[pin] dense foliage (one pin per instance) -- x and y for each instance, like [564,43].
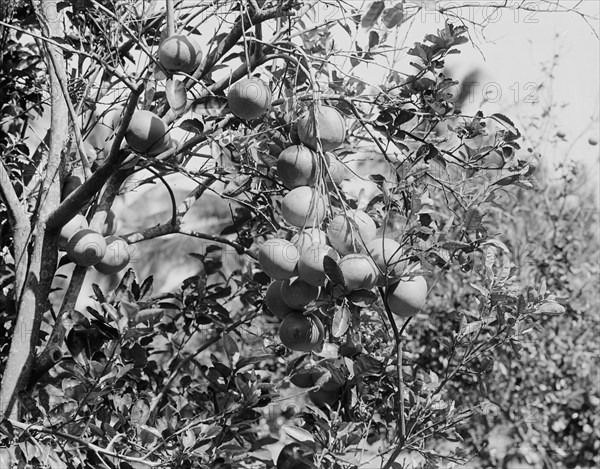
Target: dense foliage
[497,367]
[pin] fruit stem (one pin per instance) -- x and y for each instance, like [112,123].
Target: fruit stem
[170,18]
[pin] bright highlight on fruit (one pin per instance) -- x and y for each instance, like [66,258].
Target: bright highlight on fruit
[303,206]
[407,297]
[116,257]
[310,265]
[86,247]
[77,223]
[332,129]
[278,258]
[346,238]
[147,133]
[359,272]
[249,98]
[180,53]
[306,238]
[298,166]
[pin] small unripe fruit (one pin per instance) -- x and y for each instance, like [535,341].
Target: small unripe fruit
[407,297]
[303,206]
[386,253]
[116,257]
[180,53]
[345,238]
[147,133]
[310,264]
[77,223]
[301,333]
[298,166]
[298,294]
[274,302]
[306,238]
[359,272]
[86,247]
[249,98]
[278,258]
[332,129]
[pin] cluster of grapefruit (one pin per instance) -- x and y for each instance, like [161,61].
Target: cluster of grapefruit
[108,254]
[321,239]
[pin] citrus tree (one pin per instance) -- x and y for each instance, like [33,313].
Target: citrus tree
[357,191]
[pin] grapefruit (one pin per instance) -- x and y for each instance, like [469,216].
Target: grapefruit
[303,206]
[147,133]
[116,257]
[386,253]
[86,247]
[180,53]
[310,264]
[332,129]
[298,166]
[359,272]
[348,234]
[278,258]
[77,223]
[297,293]
[274,301]
[407,297]
[301,333]
[249,98]
[305,238]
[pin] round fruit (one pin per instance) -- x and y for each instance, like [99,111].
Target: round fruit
[278,258]
[492,161]
[109,227]
[297,293]
[407,297]
[303,206]
[386,253]
[332,129]
[249,98]
[306,238]
[310,264]
[116,257]
[86,247]
[77,223]
[298,166]
[293,456]
[274,301]
[71,183]
[359,272]
[322,397]
[345,238]
[301,333]
[180,53]
[593,141]
[147,133]
[338,171]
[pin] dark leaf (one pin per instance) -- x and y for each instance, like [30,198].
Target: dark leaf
[192,125]
[333,271]
[372,14]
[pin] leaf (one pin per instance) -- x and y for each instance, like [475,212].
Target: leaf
[139,413]
[393,17]
[505,181]
[362,297]
[372,14]
[99,295]
[373,39]
[366,364]
[333,271]
[297,433]
[341,321]
[550,307]
[192,125]
[239,188]
[209,106]
[473,219]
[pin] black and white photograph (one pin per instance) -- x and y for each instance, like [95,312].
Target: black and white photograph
[297,234]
